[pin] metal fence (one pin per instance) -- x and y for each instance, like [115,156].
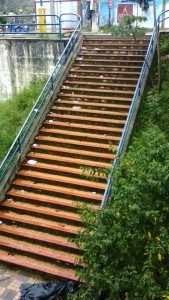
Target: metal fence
[35,24]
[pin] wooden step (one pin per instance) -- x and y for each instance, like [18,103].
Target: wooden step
[114,73]
[57,190]
[105,56]
[102,79]
[37,237]
[60,179]
[59,169]
[39,224]
[79,134]
[33,250]
[106,67]
[67,160]
[42,198]
[35,266]
[85,127]
[98,84]
[77,143]
[95,91]
[89,105]
[106,62]
[101,98]
[113,51]
[68,118]
[81,153]
[43,211]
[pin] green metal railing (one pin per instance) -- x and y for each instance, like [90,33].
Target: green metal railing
[31,24]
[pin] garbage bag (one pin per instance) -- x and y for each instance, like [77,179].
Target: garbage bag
[46,291]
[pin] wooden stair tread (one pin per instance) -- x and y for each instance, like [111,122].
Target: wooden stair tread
[73,151]
[96,90]
[62,202]
[40,251]
[107,72]
[39,223]
[82,126]
[71,76]
[72,142]
[107,61]
[61,179]
[65,159]
[92,196]
[90,111]
[42,210]
[34,265]
[58,168]
[85,118]
[72,82]
[123,50]
[91,104]
[101,136]
[86,96]
[105,55]
[30,234]
[81,65]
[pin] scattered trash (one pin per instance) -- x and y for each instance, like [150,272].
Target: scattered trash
[76,107]
[10,200]
[47,291]
[32,162]
[50,121]
[1,222]
[93,192]
[35,145]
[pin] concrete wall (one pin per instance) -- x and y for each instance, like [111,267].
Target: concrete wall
[22,59]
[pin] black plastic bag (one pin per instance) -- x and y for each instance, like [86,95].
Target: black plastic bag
[46,291]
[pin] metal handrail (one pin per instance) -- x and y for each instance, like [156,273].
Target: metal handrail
[162,17]
[26,21]
[136,98]
[45,95]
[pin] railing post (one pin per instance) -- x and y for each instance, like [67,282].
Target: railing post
[52,86]
[19,144]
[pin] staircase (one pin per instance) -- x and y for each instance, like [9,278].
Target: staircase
[40,212]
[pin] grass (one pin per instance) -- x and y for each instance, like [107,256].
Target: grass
[14,111]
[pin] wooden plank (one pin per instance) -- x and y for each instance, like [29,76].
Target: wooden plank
[69,151]
[42,198]
[33,265]
[61,179]
[32,235]
[96,91]
[69,124]
[79,134]
[78,143]
[64,159]
[27,208]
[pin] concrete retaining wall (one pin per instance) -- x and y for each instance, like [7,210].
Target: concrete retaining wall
[22,59]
